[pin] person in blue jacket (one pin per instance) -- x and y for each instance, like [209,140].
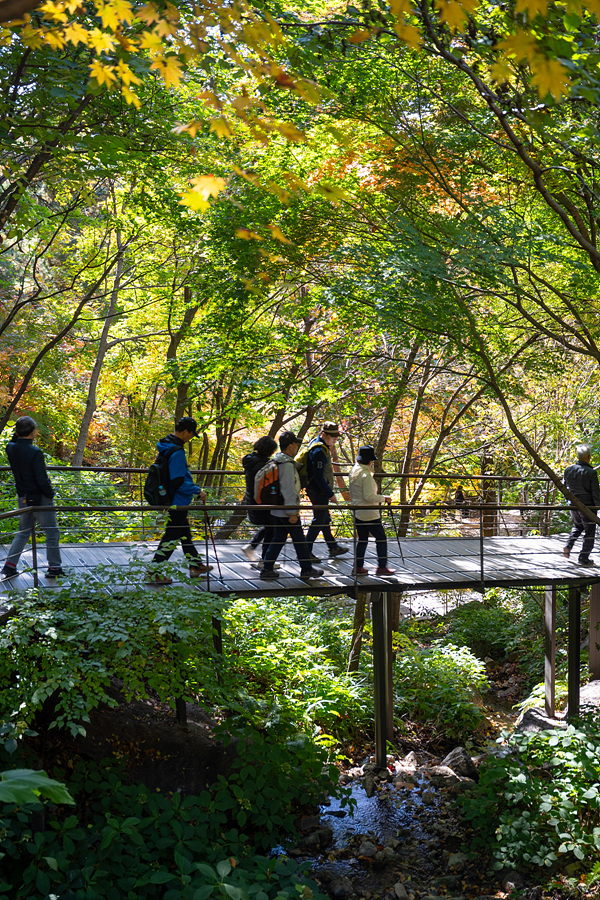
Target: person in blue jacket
[182,490]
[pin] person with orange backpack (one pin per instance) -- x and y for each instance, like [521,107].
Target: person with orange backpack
[287,521]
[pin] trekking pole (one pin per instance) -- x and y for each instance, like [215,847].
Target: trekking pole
[396,533]
[212,537]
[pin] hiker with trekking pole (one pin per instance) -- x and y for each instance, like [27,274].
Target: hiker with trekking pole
[363,493]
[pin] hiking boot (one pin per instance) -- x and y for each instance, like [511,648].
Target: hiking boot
[566,552]
[384,570]
[9,571]
[156,578]
[250,552]
[338,550]
[267,574]
[54,572]
[313,572]
[200,569]
[586,562]
[360,570]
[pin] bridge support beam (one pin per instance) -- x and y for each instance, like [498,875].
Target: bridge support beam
[574,651]
[595,630]
[550,650]
[382,674]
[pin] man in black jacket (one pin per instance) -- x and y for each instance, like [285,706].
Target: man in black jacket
[582,480]
[33,489]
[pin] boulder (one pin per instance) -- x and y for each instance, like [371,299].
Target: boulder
[461,762]
[535,719]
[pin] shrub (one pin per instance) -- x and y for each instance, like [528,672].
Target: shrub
[438,685]
[540,804]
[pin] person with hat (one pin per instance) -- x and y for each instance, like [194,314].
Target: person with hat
[320,489]
[33,489]
[183,490]
[363,493]
[287,521]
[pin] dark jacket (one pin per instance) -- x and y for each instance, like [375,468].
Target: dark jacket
[582,480]
[320,470]
[181,483]
[29,469]
[252,463]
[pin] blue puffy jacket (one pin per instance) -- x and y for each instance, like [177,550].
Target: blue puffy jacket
[181,481]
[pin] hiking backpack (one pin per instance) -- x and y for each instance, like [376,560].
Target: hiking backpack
[302,467]
[157,487]
[266,485]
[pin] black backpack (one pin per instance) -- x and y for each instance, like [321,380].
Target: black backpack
[157,487]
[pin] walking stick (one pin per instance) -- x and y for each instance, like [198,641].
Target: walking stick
[396,533]
[212,537]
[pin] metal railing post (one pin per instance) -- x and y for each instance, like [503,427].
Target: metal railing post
[481,563]
[34,559]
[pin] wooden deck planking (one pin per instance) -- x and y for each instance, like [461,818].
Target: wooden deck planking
[425,564]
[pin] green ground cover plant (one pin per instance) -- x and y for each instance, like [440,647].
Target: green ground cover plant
[538,806]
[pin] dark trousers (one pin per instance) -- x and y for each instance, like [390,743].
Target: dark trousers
[321,521]
[264,534]
[281,529]
[177,531]
[363,530]
[581,523]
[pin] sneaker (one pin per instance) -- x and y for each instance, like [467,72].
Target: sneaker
[566,552]
[267,574]
[338,550]
[10,571]
[384,570]
[155,578]
[200,569]
[586,562]
[250,552]
[260,564]
[360,570]
[313,572]
[54,573]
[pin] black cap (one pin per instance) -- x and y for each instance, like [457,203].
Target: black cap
[365,455]
[288,437]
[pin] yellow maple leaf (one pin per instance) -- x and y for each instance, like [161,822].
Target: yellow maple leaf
[194,200]
[357,37]
[290,132]
[124,10]
[107,14]
[408,33]
[221,127]
[76,33]
[164,28]
[247,235]
[130,97]
[519,45]
[501,71]
[533,7]
[550,77]
[54,11]
[331,192]
[100,40]
[169,67]
[31,37]
[452,12]
[102,73]
[148,13]
[55,39]
[125,73]
[278,234]
[150,41]
[208,185]
[400,7]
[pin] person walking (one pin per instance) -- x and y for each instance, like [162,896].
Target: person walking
[182,491]
[320,489]
[363,492]
[252,463]
[582,480]
[33,489]
[287,521]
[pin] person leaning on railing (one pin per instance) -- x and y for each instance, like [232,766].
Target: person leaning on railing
[33,489]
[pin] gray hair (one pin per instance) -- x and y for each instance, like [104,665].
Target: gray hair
[24,426]
[584,451]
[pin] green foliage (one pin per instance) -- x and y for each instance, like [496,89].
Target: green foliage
[438,685]
[487,628]
[539,806]
[63,648]
[23,786]
[125,841]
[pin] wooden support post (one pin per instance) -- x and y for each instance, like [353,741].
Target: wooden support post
[573,651]
[218,644]
[550,650]
[595,630]
[390,666]
[381,669]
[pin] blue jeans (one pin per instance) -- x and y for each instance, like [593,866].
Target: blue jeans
[582,523]
[46,520]
[363,530]
[281,529]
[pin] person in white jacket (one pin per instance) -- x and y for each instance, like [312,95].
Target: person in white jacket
[363,492]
